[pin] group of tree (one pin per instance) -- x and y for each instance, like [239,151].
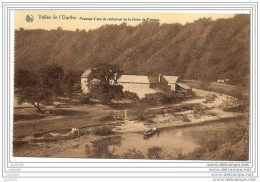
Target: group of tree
[101,83]
[205,49]
[51,81]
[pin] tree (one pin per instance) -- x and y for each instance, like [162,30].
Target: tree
[36,96]
[52,77]
[101,83]
[68,83]
[24,78]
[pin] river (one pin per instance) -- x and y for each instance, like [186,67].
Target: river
[171,143]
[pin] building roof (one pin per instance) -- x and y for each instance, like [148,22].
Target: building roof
[153,79]
[86,73]
[182,85]
[170,79]
[133,79]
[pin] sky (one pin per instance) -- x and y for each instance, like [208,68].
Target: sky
[91,19]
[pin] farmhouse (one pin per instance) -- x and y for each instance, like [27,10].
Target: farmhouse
[142,85]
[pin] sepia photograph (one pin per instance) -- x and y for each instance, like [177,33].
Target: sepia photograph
[131,85]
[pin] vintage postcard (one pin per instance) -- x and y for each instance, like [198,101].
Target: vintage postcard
[131,85]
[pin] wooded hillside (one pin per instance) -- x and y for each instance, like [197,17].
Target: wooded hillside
[205,49]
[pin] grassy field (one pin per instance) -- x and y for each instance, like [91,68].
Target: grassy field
[235,91]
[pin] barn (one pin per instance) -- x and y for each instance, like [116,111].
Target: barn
[141,84]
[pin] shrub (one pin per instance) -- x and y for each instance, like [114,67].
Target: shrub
[235,134]
[150,121]
[179,153]
[227,155]
[238,93]
[171,95]
[85,99]
[179,96]
[156,98]
[210,99]
[103,131]
[184,117]
[212,145]
[110,117]
[133,154]
[141,117]
[154,152]
[130,96]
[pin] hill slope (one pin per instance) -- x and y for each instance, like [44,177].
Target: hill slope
[206,49]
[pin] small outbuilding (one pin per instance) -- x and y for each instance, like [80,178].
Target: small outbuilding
[183,88]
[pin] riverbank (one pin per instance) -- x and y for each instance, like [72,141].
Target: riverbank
[32,137]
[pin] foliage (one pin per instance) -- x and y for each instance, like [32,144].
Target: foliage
[84,99]
[36,96]
[133,154]
[24,78]
[103,131]
[154,152]
[104,73]
[210,99]
[68,83]
[100,85]
[52,77]
[156,98]
[205,49]
[130,96]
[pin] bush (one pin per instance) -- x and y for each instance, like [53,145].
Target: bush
[110,117]
[156,98]
[133,154]
[103,131]
[210,99]
[180,96]
[130,96]
[85,99]
[227,155]
[141,117]
[154,152]
[185,118]
[238,93]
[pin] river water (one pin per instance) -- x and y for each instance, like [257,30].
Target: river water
[172,143]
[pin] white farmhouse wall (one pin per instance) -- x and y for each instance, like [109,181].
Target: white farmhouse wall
[84,85]
[173,86]
[139,88]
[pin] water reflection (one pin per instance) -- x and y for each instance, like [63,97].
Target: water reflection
[168,142]
[100,148]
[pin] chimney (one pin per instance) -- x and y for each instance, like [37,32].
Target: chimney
[160,76]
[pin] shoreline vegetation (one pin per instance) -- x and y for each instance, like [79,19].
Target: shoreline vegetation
[95,121]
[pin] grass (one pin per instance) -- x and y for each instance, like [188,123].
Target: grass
[231,144]
[20,117]
[235,91]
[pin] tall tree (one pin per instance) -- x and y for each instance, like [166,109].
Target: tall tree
[102,82]
[52,77]
[37,96]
